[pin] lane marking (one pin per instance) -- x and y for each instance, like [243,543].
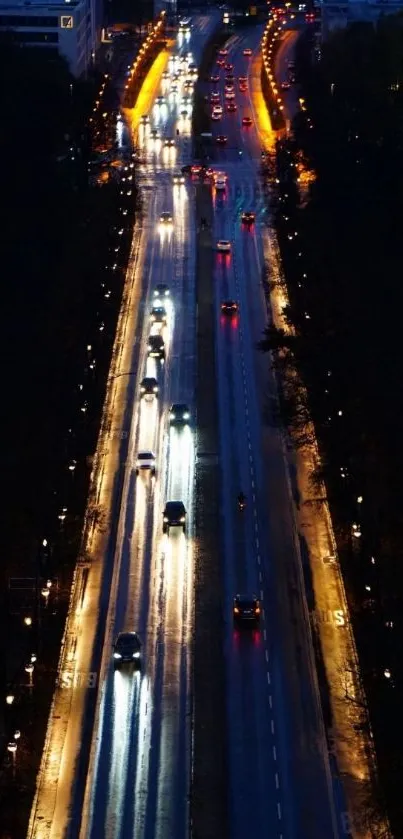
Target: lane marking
[274,753]
[265,635]
[268,678]
[277,780]
[272,726]
[270,701]
[266,652]
[279,810]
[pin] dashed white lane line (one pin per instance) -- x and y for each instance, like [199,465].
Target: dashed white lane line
[276,780]
[260,577]
[265,635]
[266,652]
[272,726]
[268,679]
[279,810]
[261,594]
[274,753]
[270,701]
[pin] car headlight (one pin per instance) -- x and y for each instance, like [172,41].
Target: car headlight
[182,519]
[136,655]
[165,518]
[155,389]
[186,416]
[149,347]
[143,390]
[172,416]
[117,655]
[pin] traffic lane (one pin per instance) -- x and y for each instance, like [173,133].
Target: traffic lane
[134,553]
[295,686]
[286,53]
[253,790]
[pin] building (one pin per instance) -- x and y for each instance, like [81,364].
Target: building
[71,28]
[336,14]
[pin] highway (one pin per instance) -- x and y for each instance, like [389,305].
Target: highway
[280,780]
[136,781]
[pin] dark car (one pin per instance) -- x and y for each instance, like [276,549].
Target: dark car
[248,218]
[127,649]
[221,140]
[229,307]
[231,107]
[149,386]
[186,169]
[246,609]
[174,516]
[247,121]
[179,414]
[158,315]
[156,346]
[161,290]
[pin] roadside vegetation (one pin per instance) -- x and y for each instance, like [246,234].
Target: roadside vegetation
[338,215]
[66,228]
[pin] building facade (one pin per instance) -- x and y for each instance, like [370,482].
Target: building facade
[71,28]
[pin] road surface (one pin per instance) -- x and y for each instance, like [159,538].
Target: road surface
[280,782]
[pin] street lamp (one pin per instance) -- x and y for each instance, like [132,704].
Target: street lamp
[10,698]
[28,620]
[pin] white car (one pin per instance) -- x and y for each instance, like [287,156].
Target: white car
[146,461]
[178,178]
[224,246]
[220,183]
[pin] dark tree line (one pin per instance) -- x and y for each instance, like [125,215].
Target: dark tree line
[344,275]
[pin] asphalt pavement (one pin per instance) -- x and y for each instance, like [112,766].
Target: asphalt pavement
[280,783]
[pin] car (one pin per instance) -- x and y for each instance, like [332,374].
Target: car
[158,315]
[229,88]
[243,88]
[248,217]
[246,609]
[161,291]
[230,78]
[160,100]
[154,134]
[208,173]
[156,347]
[179,414]
[215,97]
[169,142]
[174,516]
[243,79]
[186,170]
[166,218]
[216,115]
[214,79]
[220,62]
[229,95]
[178,178]
[229,307]
[291,64]
[247,121]
[291,78]
[145,119]
[229,67]
[223,246]
[231,107]
[196,169]
[285,85]
[145,462]
[223,52]
[220,184]
[149,387]
[127,649]
[217,109]
[247,51]
[221,140]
